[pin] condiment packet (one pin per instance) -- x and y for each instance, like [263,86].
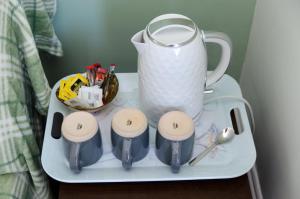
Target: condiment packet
[100,76]
[90,73]
[92,96]
[76,102]
[69,87]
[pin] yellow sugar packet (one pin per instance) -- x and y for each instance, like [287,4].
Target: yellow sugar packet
[73,84]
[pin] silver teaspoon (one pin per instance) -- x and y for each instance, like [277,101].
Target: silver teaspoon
[225,136]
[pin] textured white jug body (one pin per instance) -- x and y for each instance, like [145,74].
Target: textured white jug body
[172,78]
[172,65]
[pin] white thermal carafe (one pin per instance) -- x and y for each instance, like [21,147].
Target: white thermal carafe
[172,65]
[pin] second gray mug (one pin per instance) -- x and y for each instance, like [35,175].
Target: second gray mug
[129,136]
[175,139]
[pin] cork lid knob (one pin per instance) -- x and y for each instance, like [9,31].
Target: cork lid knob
[79,126]
[176,126]
[129,122]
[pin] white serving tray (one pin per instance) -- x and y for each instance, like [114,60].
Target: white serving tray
[227,161]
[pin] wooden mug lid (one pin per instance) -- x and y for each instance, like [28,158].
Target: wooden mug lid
[79,126]
[129,122]
[176,126]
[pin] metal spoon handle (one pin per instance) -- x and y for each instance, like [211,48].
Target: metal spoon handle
[208,91]
[202,154]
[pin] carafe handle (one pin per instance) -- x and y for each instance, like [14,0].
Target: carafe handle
[224,41]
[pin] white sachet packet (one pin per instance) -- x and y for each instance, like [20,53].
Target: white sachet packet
[90,96]
[76,102]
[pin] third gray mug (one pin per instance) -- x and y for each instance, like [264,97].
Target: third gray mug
[175,139]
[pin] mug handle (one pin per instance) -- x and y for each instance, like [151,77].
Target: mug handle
[126,154]
[74,157]
[224,41]
[176,156]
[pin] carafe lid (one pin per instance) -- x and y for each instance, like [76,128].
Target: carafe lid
[171,30]
[79,126]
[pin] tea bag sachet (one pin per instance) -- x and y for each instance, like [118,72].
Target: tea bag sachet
[88,97]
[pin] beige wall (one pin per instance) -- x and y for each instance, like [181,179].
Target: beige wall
[271,81]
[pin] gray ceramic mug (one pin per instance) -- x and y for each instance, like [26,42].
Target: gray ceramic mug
[82,140]
[129,136]
[175,139]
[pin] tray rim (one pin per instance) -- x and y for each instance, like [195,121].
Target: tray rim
[193,174]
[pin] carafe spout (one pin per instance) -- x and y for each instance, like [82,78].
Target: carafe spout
[138,42]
